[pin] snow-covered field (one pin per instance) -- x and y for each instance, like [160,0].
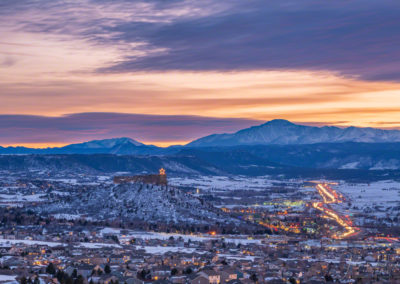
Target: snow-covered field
[228,183]
[382,193]
[237,257]
[241,239]
[376,202]
[8,278]
[67,216]
[21,198]
[162,250]
[166,236]
[8,242]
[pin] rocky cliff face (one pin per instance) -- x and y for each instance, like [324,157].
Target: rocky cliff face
[146,202]
[146,179]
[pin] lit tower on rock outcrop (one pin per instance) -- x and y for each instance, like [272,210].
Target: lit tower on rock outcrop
[158,179]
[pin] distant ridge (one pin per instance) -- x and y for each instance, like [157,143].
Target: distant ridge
[274,132]
[105,143]
[283,132]
[121,145]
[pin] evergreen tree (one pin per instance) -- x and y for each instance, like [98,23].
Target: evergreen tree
[50,269]
[328,278]
[79,280]
[253,277]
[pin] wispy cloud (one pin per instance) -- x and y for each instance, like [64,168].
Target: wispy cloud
[28,129]
[358,38]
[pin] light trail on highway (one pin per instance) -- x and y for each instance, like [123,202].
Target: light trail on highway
[330,196]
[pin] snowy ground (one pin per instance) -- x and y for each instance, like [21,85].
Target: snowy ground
[158,250]
[67,216]
[8,278]
[377,203]
[21,198]
[383,193]
[228,183]
[7,242]
[165,236]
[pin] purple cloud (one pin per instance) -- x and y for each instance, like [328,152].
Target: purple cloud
[355,38]
[360,38]
[15,129]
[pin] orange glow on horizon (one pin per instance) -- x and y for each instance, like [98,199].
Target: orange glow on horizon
[295,95]
[166,143]
[37,145]
[162,144]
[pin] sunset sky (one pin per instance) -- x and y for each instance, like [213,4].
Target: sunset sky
[167,72]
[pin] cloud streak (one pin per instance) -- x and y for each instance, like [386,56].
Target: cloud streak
[357,39]
[78,127]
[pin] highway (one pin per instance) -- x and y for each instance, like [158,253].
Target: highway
[331,196]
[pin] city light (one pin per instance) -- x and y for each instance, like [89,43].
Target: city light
[330,196]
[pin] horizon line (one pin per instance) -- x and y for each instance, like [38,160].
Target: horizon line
[168,143]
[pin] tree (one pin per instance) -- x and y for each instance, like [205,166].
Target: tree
[253,277]
[50,269]
[359,280]
[115,239]
[328,278]
[143,274]
[107,269]
[79,280]
[174,271]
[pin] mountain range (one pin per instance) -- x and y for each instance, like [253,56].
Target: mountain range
[283,132]
[275,147]
[120,146]
[274,132]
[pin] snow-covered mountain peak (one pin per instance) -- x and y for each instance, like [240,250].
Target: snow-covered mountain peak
[106,143]
[284,132]
[278,122]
